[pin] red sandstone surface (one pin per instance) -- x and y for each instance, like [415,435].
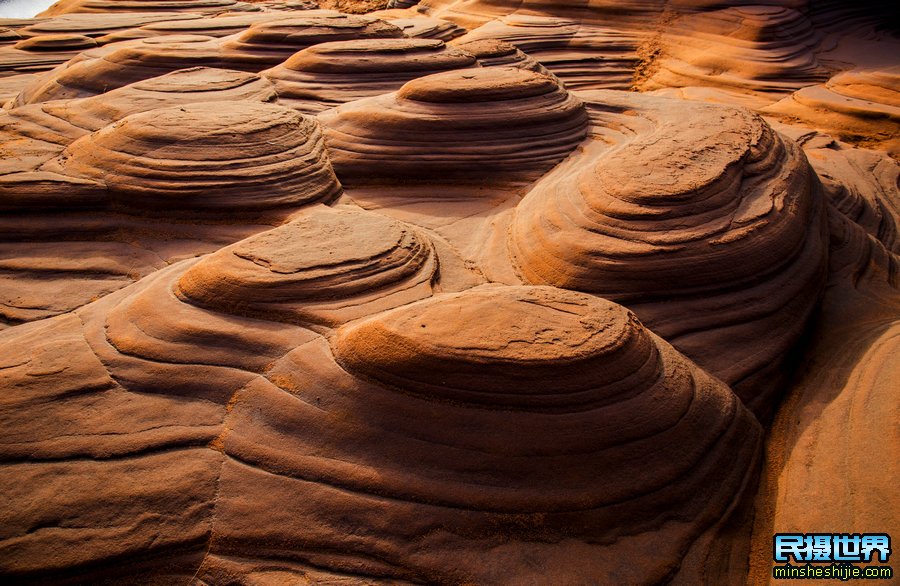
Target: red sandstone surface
[453,292]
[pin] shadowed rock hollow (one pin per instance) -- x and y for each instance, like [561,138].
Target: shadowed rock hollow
[422,296]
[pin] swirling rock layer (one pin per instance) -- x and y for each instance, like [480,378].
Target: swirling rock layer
[221,26]
[705,229]
[428,28]
[497,53]
[269,43]
[583,56]
[106,6]
[63,121]
[498,124]
[261,46]
[329,74]
[328,265]
[862,106]
[108,68]
[216,368]
[760,48]
[224,156]
[674,443]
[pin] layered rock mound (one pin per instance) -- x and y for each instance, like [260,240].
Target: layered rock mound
[768,49]
[461,426]
[41,52]
[63,121]
[221,26]
[261,46]
[292,296]
[223,157]
[703,221]
[269,43]
[497,53]
[423,27]
[584,56]
[860,106]
[628,14]
[495,125]
[120,64]
[328,266]
[86,219]
[108,6]
[99,24]
[330,74]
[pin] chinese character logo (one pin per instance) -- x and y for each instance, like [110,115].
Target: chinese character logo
[832,547]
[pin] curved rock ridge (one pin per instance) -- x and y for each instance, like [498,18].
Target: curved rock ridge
[861,185]
[62,248]
[861,106]
[633,15]
[56,42]
[221,26]
[116,6]
[9,36]
[843,401]
[423,27]
[521,388]
[36,51]
[583,56]
[261,46]
[329,74]
[226,157]
[705,222]
[490,125]
[768,49]
[144,332]
[26,58]
[100,24]
[328,266]
[119,64]
[522,348]
[624,14]
[47,191]
[496,53]
[269,43]
[63,121]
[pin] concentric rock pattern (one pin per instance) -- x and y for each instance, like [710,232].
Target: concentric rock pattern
[494,124]
[222,156]
[760,48]
[327,265]
[330,74]
[293,296]
[705,222]
[583,55]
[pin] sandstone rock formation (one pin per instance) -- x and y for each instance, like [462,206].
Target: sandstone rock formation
[329,74]
[260,46]
[329,266]
[860,105]
[497,124]
[235,160]
[476,480]
[585,56]
[421,296]
[219,157]
[759,48]
[703,221]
